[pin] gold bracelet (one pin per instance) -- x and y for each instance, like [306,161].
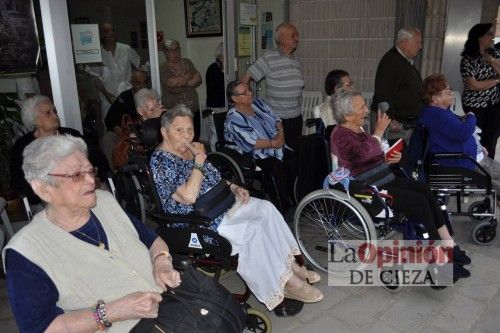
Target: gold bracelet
[161,253]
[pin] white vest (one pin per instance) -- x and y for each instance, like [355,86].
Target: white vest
[82,272]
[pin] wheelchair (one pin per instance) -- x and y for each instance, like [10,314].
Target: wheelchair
[193,244]
[327,219]
[456,182]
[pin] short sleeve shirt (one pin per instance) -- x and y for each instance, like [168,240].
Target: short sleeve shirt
[478,69]
[284,82]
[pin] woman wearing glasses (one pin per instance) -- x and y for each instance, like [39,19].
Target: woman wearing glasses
[40,118]
[179,80]
[480,68]
[82,264]
[255,129]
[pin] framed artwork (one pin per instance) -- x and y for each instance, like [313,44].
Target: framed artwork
[19,46]
[203,18]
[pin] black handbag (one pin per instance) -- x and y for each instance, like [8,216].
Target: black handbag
[215,201]
[199,304]
[377,176]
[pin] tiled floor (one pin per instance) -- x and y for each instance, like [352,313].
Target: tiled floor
[472,305]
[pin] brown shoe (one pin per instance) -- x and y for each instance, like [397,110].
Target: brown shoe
[308,276]
[305,293]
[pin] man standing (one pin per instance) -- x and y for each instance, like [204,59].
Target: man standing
[284,82]
[398,83]
[113,76]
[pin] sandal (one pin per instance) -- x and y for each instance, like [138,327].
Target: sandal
[310,277]
[305,293]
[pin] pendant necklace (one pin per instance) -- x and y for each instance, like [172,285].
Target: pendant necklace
[98,242]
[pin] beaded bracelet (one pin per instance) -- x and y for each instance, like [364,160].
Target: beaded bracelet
[161,253]
[100,317]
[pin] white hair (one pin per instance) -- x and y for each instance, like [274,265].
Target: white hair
[342,103]
[406,33]
[42,155]
[144,95]
[29,110]
[169,43]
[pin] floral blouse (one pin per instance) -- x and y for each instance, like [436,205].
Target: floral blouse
[170,172]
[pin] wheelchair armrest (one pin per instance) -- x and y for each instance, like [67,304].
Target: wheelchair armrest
[179,218]
[207,112]
[465,156]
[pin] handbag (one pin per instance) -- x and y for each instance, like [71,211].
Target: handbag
[215,201]
[119,155]
[198,304]
[377,176]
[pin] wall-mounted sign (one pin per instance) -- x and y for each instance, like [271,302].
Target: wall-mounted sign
[86,43]
[248,14]
[244,42]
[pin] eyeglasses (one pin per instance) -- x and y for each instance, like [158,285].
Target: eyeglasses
[172,50]
[77,176]
[182,131]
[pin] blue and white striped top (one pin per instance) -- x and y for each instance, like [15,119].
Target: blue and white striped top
[244,130]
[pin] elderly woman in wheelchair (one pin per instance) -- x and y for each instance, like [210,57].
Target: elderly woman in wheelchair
[450,133]
[255,229]
[253,128]
[360,152]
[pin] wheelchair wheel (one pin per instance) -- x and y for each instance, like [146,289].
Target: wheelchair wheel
[129,194]
[324,221]
[484,233]
[227,166]
[480,207]
[390,280]
[257,322]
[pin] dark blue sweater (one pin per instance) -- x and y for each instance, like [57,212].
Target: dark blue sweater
[449,133]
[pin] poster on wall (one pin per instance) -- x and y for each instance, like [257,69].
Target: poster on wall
[248,14]
[244,42]
[86,43]
[267,31]
[19,47]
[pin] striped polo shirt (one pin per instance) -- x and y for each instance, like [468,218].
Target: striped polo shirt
[284,82]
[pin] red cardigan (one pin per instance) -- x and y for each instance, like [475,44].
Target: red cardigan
[358,152]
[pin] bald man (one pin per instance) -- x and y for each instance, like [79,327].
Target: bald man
[284,82]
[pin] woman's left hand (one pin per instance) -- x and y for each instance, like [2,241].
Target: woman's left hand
[394,158]
[165,275]
[241,194]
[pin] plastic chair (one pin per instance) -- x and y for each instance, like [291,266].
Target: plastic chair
[309,100]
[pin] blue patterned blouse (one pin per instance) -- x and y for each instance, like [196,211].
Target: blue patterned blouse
[170,172]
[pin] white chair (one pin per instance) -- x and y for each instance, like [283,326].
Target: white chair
[456,107]
[309,100]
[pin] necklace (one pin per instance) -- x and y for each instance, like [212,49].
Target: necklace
[98,242]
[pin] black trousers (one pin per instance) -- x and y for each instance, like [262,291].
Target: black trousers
[292,128]
[416,200]
[488,120]
[280,171]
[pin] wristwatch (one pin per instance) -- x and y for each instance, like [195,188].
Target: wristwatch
[198,167]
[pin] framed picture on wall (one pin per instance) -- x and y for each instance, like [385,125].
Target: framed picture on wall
[203,18]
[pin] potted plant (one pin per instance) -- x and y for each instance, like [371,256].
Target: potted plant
[11,127]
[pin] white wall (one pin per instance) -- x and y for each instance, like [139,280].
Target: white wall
[200,50]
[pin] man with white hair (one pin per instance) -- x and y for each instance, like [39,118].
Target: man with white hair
[284,82]
[398,82]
